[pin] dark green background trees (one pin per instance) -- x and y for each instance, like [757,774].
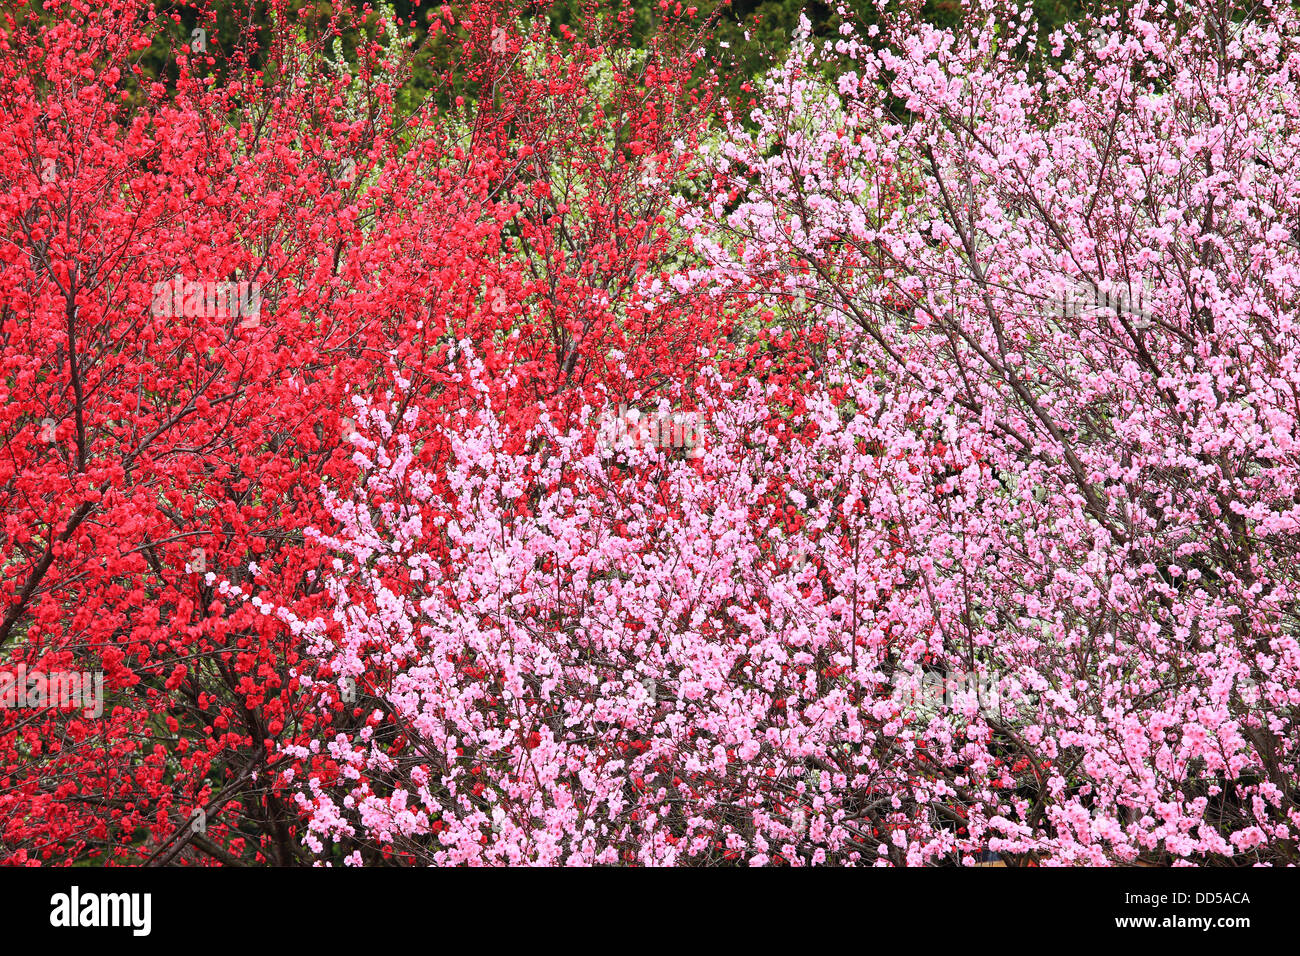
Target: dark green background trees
[744,40]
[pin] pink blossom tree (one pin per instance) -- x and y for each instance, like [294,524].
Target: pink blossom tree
[1084,304]
[606,651]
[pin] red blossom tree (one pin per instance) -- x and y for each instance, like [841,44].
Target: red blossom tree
[157,438]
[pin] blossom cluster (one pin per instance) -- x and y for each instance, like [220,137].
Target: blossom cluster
[899,466]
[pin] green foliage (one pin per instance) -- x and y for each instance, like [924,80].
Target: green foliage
[747,37]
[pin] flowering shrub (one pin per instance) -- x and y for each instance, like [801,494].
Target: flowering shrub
[559,660]
[1115,521]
